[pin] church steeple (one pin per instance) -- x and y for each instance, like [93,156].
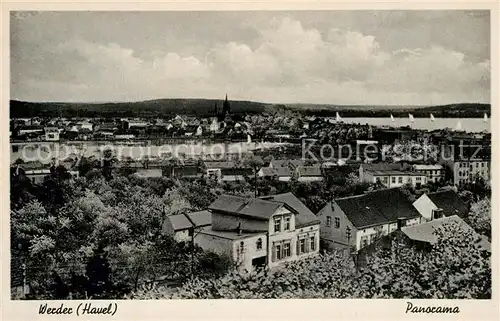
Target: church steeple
[226,109]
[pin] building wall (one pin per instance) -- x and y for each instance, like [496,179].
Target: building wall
[244,255]
[310,178]
[370,232]
[219,245]
[182,236]
[425,207]
[465,172]
[331,233]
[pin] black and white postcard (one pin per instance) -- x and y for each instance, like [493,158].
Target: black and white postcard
[163,160]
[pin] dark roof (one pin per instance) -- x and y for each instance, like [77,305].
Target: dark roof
[231,235]
[394,173]
[425,232]
[309,171]
[180,222]
[277,171]
[200,218]
[304,216]
[377,207]
[449,202]
[222,164]
[382,167]
[236,205]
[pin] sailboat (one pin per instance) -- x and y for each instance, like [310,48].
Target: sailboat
[459,126]
[392,118]
[337,117]
[411,118]
[485,118]
[249,139]
[432,117]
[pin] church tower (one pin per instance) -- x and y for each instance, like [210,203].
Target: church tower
[226,109]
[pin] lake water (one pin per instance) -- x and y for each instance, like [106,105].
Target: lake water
[45,152]
[473,125]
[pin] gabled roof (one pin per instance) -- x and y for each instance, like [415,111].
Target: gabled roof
[200,218]
[195,219]
[425,232]
[256,208]
[304,216]
[180,222]
[378,207]
[449,202]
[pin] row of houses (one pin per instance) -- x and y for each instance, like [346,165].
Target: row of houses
[270,230]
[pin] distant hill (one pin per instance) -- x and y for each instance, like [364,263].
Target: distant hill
[206,107]
[462,110]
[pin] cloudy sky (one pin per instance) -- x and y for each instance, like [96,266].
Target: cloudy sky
[332,57]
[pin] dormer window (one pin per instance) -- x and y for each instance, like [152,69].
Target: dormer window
[277,224]
[287,223]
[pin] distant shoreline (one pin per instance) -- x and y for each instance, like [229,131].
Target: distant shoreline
[206,108]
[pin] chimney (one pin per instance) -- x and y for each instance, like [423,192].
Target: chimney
[239,230]
[401,222]
[437,213]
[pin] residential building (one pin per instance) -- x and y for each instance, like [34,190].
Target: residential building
[260,232]
[51,134]
[182,227]
[226,171]
[283,174]
[423,235]
[357,221]
[289,163]
[309,173]
[466,171]
[27,130]
[435,173]
[378,167]
[395,178]
[442,203]
[149,172]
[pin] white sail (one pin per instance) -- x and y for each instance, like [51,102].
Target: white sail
[249,139]
[459,126]
[485,117]
[337,117]
[392,118]
[432,117]
[411,118]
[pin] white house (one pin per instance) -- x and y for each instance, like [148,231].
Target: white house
[260,232]
[357,221]
[434,173]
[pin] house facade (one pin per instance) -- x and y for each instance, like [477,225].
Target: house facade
[393,178]
[434,173]
[465,172]
[360,220]
[259,232]
[183,226]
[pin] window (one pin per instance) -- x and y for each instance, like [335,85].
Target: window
[312,243]
[277,251]
[418,178]
[386,179]
[242,247]
[190,232]
[277,224]
[328,221]
[337,222]
[287,223]
[302,246]
[287,250]
[400,180]
[258,244]
[364,241]
[393,180]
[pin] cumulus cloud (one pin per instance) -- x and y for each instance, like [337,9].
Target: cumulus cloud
[287,63]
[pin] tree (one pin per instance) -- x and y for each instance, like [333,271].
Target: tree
[479,217]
